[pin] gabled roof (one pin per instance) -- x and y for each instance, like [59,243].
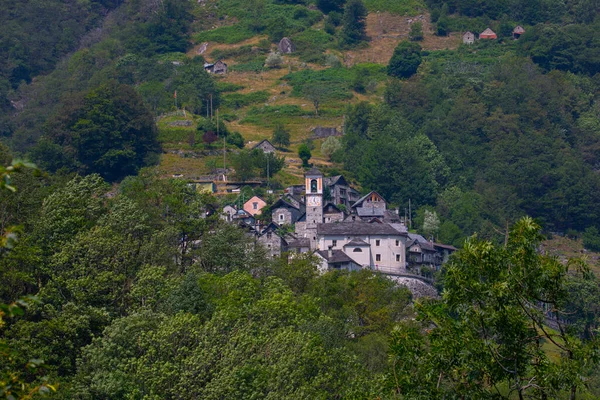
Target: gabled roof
[283,203]
[423,245]
[337,257]
[329,206]
[370,212]
[263,141]
[487,32]
[366,196]
[519,29]
[357,228]
[300,242]
[445,246]
[334,180]
[357,242]
[314,171]
[418,238]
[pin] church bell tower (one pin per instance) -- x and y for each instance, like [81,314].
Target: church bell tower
[314,203]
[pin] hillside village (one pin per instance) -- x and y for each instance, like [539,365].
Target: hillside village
[344,231]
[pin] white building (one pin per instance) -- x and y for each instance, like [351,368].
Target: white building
[373,245]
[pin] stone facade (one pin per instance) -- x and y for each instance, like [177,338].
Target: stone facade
[266,146]
[314,203]
[468,38]
[340,191]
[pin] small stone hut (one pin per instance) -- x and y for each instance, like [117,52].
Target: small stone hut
[286,46]
[266,146]
[518,31]
[468,38]
[217,68]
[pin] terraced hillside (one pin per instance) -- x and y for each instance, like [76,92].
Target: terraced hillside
[255,98]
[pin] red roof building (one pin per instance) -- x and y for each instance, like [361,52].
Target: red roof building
[488,34]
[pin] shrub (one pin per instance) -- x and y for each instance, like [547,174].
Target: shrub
[274,60]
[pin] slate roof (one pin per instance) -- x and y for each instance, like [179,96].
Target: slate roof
[519,30]
[424,245]
[418,238]
[357,242]
[445,246]
[337,257]
[334,180]
[400,228]
[354,228]
[314,171]
[282,203]
[264,141]
[359,201]
[300,242]
[328,208]
[370,212]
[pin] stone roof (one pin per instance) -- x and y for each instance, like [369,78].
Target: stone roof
[370,212]
[418,238]
[362,199]
[300,242]
[445,246]
[282,203]
[337,257]
[519,30]
[357,242]
[399,227]
[354,228]
[314,171]
[424,245]
[327,208]
[332,180]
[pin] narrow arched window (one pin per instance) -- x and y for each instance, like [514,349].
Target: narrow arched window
[313,186]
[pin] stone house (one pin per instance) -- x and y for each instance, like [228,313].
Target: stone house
[269,237]
[254,205]
[336,259]
[331,213]
[419,252]
[468,38]
[488,34]
[378,246]
[284,212]
[518,31]
[217,68]
[340,191]
[266,146]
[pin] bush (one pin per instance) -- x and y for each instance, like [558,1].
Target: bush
[405,61]
[591,239]
[416,32]
[274,60]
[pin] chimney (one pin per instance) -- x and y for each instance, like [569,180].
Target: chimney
[330,252]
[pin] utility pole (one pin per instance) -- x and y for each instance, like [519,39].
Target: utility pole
[268,186]
[211,107]
[409,215]
[224,150]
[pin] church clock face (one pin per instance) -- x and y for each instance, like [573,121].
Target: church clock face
[314,201]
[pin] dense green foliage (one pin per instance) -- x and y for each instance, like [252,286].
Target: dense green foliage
[109,131]
[405,61]
[515,141]
[488,337]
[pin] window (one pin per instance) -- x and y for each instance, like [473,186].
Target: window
[334,243]
[357,250]
[397,243]
[377,242]
[397,257]
[377,257]
[255,205]
[281,217]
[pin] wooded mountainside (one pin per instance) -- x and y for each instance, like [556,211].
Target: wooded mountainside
[121,282]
